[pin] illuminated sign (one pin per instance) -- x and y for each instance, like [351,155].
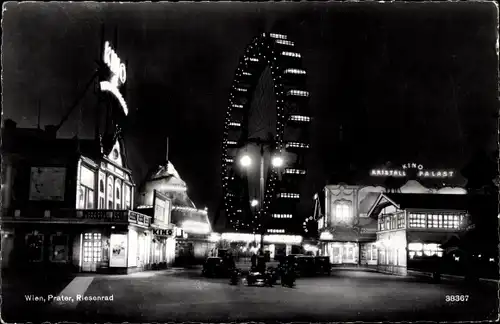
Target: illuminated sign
[195,227]
[118,75]
[163,232]
[419,168]
[326,236]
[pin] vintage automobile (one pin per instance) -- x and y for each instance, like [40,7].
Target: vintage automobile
[323,265]
[257,278]
[217,267]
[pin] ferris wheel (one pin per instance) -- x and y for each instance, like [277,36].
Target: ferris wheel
[269,84]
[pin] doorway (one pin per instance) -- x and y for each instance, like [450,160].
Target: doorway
[92,251]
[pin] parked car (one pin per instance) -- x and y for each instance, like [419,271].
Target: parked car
[216,267]
[323,265]
[306,266]
[303,265]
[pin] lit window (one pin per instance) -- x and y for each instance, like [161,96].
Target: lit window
[280,36]
[428,250]
[417,220]
[284,42]
[127,197]
[110,193]
[295,71]
[321,223]
[451,221]
[295,171]
[401,221]
[86,188]
[373,254]
[342,212]
[299,93]
[297,144]
[290,54]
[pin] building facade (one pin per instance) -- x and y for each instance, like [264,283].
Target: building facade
[353,231]
[67,206]
[346,233]
[413,227]
[192,228]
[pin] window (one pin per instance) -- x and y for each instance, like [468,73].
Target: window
[387,222]
[401,221]
[117,198]
[321,223]
[382,223]
[394,221]
[118,194]
[86,188]
[342,212]
[85,198]
[419,250]
[451,221]
[434,221]
[127,197]
[417,220]
[110,192]
[34,245]
[374,252]
[102,191]
[58,248]
[371,252]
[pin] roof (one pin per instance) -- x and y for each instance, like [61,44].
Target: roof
[420,201]
[35,148]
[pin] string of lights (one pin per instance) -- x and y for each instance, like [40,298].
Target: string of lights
[276,52]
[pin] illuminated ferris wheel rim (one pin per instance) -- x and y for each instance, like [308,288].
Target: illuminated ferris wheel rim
[266,50]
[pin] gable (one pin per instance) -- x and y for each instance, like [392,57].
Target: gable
[116,154]
[382,203]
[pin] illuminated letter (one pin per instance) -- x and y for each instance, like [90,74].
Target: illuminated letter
[122,73]
[107,54]
[420,167]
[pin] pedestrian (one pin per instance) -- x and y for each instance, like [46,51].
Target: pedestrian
[254,260]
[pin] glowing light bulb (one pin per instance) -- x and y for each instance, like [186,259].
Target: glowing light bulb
[246,161]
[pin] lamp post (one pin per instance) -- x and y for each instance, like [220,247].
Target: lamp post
[276,162]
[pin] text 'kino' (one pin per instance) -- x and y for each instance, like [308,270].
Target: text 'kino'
[114,63]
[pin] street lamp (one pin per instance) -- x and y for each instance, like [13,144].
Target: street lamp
[246,161]
[254,202]
[277,161]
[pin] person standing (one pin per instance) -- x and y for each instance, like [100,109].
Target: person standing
[254,260]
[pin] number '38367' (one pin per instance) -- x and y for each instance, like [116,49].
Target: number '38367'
[457,298]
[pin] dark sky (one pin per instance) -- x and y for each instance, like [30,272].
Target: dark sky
[410,82]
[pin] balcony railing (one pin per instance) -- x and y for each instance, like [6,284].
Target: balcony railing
[76,216]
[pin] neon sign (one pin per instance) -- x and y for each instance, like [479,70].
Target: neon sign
[118,75]
[419,168]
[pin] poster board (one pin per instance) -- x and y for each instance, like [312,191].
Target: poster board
[118,250]
[47,183]
[162,207]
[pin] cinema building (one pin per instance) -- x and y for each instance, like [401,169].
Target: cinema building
[193,232]
[387,229]
[67,206]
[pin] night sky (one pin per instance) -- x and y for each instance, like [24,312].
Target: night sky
[408,82]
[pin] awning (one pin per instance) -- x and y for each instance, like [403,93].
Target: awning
[348,234]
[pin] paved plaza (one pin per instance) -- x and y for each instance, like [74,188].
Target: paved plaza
[184,295]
